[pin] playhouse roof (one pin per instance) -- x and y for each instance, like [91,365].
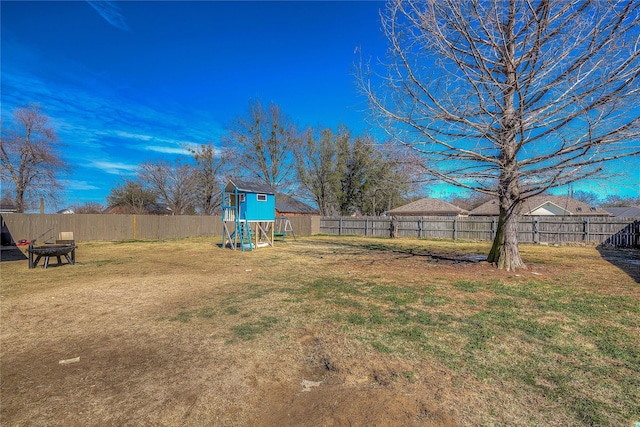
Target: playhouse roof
[249,187]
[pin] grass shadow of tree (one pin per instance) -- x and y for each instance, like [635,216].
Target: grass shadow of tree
[626,259]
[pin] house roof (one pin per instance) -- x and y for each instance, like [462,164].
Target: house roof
[426,207]
[249,187]
[287,204]
[7,206]
[624,212]
[561,203]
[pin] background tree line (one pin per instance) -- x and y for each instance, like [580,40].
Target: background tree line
[332,169]
[339,172]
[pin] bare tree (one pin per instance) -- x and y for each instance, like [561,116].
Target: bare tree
[618,201]
[511,97]
[259,146]
[587,197]
[89,208]
[131,197]
[175,184]
[29,157]
[344,174]
[316,159]
[207,185]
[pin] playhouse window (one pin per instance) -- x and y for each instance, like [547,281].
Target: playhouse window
[262,197]
[241,195]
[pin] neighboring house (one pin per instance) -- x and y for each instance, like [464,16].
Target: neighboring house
[624,212]
[65,211]
[428,207]
[7,206]
[288,206]
[148,209]
[544,205]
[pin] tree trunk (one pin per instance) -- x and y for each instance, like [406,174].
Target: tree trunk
[504,252]
[19,200]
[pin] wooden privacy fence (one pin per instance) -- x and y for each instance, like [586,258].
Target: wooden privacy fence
[96,227]
[619,232]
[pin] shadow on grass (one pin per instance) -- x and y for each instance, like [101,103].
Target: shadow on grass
[445,257]
[11,253]
[627,260]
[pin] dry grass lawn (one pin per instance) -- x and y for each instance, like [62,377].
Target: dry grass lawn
[323,331]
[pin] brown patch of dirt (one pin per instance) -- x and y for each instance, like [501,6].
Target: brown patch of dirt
[344,392]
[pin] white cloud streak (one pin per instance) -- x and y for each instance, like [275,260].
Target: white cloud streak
[167,150]
[111,13]
[115,168]
[75,185]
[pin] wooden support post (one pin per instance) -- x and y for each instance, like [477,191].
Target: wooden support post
[586,231]
[455,229]
[494,228]
[393,228]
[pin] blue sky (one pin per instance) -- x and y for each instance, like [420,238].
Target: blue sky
[127,82]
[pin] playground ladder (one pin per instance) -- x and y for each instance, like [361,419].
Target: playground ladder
[245,234]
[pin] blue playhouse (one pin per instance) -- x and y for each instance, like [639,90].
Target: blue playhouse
[248,215]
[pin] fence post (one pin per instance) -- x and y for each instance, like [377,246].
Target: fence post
[493,228]
[393,228]
[420,228]
[536,230]
[340,227]
[366,226]
[586,230]
[455,228]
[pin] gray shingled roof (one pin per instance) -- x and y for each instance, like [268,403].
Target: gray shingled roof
[576,207]
[7,206]
[427,207]
[624,212]
[287,204]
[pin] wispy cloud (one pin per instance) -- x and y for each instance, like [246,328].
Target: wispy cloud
[111,13]
[75,185]
[167,150]
[130,135]
[115,168]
